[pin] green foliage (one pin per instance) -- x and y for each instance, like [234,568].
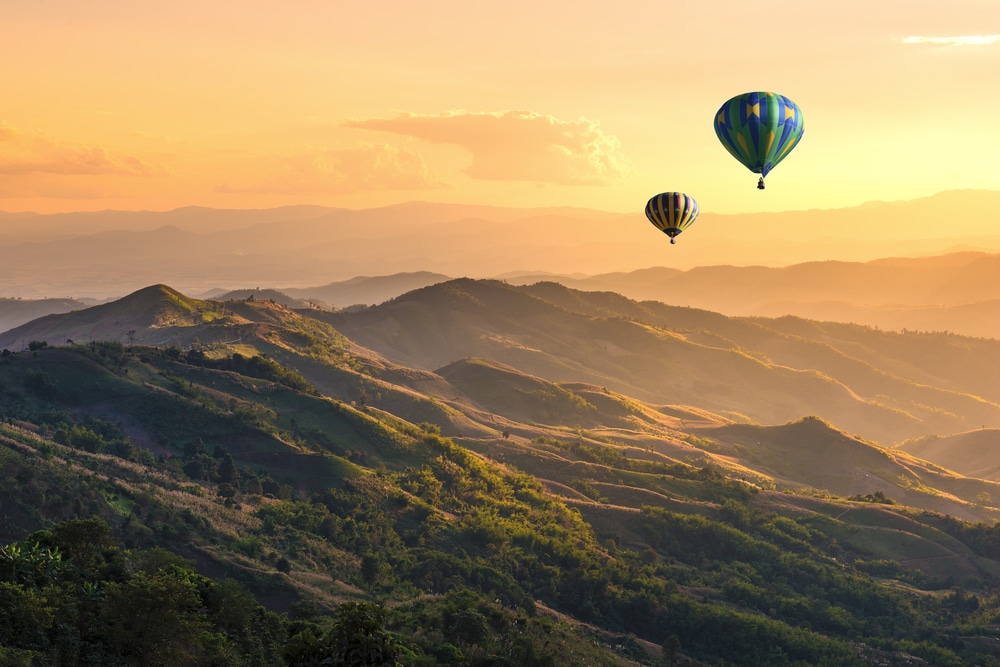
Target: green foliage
[258,366]
[878,497]
[587,489]
[716,485]
[357,638]
[86,601]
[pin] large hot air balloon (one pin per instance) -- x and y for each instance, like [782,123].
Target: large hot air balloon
[759,130]
[672,212]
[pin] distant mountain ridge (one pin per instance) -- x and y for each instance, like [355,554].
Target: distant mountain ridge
[15,312]
[106,254]
[366,290]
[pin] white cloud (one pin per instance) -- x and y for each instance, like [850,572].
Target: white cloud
[22,153]
[517,145]
[342,170]
[965,40]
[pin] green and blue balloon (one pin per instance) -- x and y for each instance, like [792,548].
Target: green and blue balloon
[759,129]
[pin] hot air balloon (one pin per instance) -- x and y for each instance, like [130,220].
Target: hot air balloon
[672,212]
[759,130]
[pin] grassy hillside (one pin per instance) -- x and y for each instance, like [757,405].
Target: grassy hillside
[481,501]
[761,370]
[973,453]
[708,354]
[309,502]
[882,385]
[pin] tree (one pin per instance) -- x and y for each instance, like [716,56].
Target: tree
[85,541]
[154,620]
[227,469]
[371,568]
[359,639]
[671,646]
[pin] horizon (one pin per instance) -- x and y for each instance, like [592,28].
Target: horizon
[427,202]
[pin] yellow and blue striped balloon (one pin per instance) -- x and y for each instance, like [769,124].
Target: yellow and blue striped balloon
[672,212]
[759,129]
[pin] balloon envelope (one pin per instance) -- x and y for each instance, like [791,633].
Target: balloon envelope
[672,212]
[759,129]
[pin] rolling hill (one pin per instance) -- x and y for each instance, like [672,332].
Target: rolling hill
[973,453]
[868,382]
[535,360]
[481,500]
[954,292]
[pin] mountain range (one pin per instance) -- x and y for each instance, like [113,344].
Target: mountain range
[884,386]
[486,456]
[110,253]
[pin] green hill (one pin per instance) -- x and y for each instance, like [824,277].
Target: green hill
[973,453]
[307,502]
[483,502]
[754,369]
[812,453]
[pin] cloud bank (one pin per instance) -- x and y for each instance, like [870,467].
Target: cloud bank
[517,145]
[345,170]
[965,40]
[22,154]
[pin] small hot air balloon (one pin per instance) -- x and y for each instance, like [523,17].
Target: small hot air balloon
[672,212]
[759,130]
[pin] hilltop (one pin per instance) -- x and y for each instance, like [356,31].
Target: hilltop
[875,383]
[973,453]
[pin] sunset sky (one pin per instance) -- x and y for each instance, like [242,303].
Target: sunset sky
[117,104]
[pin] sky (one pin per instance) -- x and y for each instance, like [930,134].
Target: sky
[117,104]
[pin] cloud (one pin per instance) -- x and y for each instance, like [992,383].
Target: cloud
[344,170]
[517,145]
[22,154]
[966,40]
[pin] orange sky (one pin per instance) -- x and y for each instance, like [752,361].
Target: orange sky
[117,104]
